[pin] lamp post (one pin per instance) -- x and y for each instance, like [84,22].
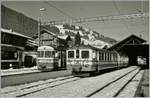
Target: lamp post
[39,25]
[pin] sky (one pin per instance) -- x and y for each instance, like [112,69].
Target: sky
[64,10]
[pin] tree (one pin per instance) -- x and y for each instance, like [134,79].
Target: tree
[105,47]
[77,39]
[82,43]
[68,40]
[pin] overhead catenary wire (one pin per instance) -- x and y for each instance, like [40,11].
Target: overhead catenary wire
[97,18]
[100,18]
[91,19]
[69,16]
[52,5]
[127,29]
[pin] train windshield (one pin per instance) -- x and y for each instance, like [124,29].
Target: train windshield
[40,53]
[70,54]
[85,54]
[49,54]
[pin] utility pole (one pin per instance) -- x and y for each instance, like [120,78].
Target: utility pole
[39,26]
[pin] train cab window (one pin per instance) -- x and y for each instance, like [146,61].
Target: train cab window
[49,54]
[111,57]
[114,57]
[105,57]
[40,53]
[70,54]
[102,57]
[85,54]
[77,54]
[53,53]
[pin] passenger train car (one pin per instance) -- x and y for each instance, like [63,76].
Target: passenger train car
[47,59]
[89,59]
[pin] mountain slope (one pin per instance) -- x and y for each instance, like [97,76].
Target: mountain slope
[87,36]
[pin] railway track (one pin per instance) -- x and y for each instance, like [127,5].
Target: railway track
[117,87]
[35,87]
[117,83]
[105,84]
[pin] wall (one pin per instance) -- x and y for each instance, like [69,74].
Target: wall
[18,22]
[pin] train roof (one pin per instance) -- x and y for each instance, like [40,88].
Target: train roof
[45,48]
[89,47]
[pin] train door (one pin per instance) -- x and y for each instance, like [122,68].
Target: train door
[62,59]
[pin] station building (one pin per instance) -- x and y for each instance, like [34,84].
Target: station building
[12,46]
[16,37]
[134,47]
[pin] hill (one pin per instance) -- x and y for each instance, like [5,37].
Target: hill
[88,36]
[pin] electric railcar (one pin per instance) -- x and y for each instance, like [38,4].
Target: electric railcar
[47,59]
[89,59]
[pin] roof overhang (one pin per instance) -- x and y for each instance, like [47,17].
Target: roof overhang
[124,42]
[14,33]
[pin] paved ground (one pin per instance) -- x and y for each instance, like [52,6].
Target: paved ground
[143,89]
[145,84]
[19,71]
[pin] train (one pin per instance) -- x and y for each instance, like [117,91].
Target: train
[89,59]
[79,59]
[47,59]
[50,58]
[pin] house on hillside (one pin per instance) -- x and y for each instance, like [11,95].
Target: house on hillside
[48,38]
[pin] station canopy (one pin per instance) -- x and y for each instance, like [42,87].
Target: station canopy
[132,45]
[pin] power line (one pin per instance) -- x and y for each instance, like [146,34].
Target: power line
[51,5]
[53,22]
[127,29]
[91,19]
[99,18]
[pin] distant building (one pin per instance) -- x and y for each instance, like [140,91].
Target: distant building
[47,38]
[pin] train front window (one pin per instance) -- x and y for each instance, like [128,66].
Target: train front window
[85,54]
[49,54]
[40,53]
[70,54]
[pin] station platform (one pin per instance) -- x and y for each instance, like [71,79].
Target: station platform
[19,71]
[145,84]
[143,89]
